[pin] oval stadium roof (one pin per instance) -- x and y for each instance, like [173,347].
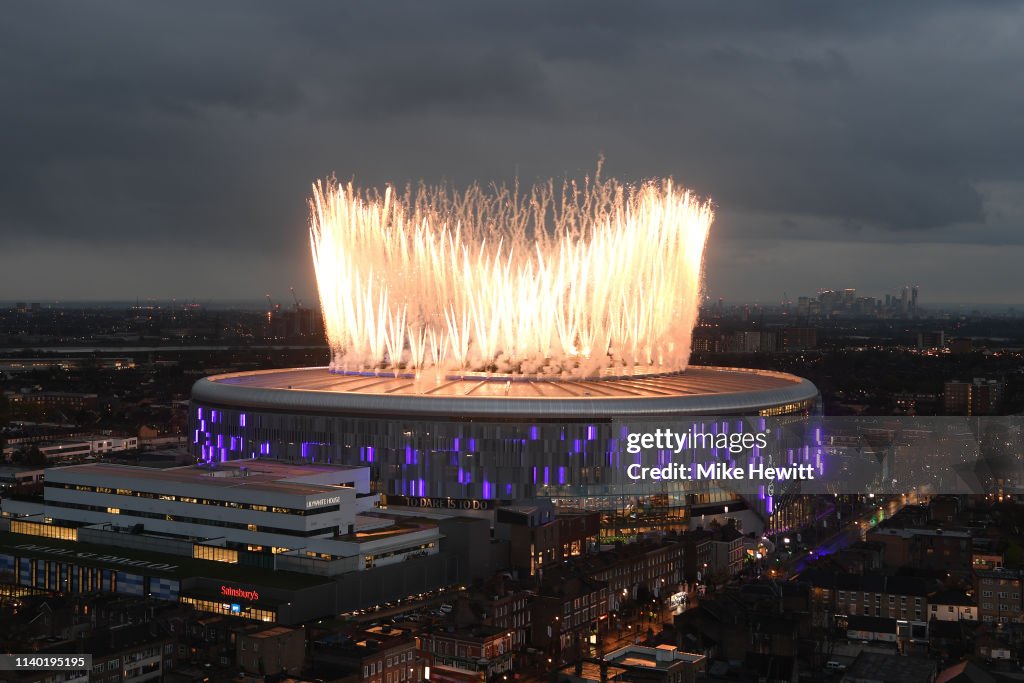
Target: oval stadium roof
[696,391]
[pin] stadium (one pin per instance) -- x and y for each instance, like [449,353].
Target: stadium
[491,348]
[476,443]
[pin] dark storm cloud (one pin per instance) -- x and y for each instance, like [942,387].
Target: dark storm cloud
[833,67]
[450,82]
[203,124]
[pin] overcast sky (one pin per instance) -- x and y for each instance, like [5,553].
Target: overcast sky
[166,149]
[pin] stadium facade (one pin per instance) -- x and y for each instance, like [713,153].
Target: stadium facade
[474,443]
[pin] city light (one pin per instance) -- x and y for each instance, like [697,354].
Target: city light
[590,279]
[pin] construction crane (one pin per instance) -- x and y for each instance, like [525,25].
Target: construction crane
[298,304]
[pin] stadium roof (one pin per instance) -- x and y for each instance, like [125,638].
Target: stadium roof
[697,391]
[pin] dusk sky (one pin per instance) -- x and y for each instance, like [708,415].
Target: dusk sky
[167,150]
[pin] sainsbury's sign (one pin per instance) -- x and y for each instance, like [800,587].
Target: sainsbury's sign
[231,592]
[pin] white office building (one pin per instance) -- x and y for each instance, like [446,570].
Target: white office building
[312,518]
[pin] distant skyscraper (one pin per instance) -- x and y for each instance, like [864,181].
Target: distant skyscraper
[956,398]
[980,397]
[913,300]
[931,340]
[904,300]
[799,338]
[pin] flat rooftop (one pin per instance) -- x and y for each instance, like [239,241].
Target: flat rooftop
[910,532]
[272,632]
[697,390]
[647,657]
[872,666]
[259,475]
[591,671]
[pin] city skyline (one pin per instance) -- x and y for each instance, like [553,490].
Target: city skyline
[295,298]
[837,144]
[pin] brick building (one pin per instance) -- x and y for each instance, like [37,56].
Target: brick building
[379,654]
[538,536]
[835,595]
[483,652]
[998,592]
[937,549]
[697,554]
[726,551]
[500,603]
[637,571]
[277,650]
[568,611]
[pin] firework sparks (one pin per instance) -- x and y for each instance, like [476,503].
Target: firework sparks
[579,281]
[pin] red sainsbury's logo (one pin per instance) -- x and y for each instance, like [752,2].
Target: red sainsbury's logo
[228,591]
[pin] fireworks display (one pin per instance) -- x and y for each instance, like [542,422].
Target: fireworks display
[583,280]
